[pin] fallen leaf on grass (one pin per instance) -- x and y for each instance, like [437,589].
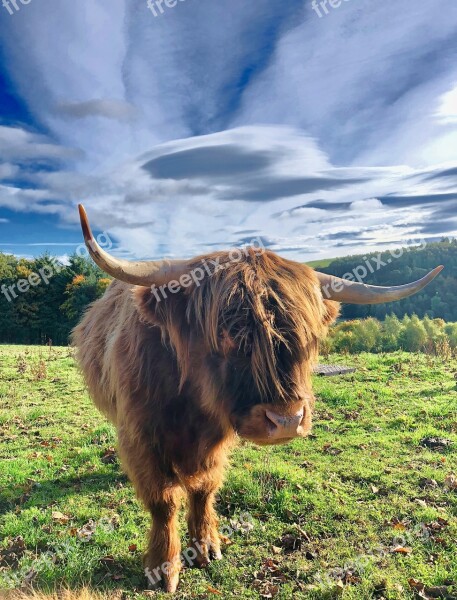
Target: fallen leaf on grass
[109,456]
[402,550]
[437,525]
[268,579]
[329,449]
[450,482]
[426,483]
[86,532]
[399,526]
[289,543]
[11,555]
[269,590]
[436,443]
[429,592]
[421,502]
[226,540]
[212,590]
[132,548]
[59,517]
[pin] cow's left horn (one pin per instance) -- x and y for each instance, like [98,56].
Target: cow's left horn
[351,292]
[146,273]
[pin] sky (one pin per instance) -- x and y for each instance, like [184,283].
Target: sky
[322,131]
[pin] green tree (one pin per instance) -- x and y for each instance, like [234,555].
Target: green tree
[414,335]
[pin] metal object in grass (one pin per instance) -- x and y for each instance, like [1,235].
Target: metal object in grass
[332,370]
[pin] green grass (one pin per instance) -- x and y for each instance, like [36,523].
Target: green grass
[337,501]
[320,263]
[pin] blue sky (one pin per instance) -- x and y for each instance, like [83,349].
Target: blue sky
[214,123]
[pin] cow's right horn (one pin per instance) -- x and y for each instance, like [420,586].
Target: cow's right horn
[146,273]
[352,292]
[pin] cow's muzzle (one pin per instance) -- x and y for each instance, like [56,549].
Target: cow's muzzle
[285,426]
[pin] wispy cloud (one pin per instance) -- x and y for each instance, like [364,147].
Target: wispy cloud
[181,133]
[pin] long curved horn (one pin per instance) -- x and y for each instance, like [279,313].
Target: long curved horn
[146,273]
[351,292]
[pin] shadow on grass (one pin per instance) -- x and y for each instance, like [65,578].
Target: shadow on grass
[42,494]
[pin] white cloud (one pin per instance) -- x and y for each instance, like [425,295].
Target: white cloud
[8,171]
[17,144]
[366,205]
[291,195]
[447,112]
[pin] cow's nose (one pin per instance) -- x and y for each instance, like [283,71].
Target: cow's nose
[284,426]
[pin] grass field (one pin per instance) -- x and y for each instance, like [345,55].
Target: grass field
[321,263]
[359,510]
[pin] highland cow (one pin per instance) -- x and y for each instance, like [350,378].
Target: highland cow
[182,376]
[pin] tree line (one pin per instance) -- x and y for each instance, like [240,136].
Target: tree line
[41,300]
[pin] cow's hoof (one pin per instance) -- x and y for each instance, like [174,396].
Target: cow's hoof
[216,554]
[165,577]
[168,583]
[205,553]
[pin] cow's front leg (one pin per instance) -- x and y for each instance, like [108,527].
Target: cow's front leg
[203,528]
[162,560]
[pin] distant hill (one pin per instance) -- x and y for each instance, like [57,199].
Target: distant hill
[396,267]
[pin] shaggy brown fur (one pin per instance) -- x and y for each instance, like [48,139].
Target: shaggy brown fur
[179,377]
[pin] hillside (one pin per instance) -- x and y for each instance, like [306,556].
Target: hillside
[402,266]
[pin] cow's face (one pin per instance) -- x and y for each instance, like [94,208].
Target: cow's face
[246,339]
[265,387]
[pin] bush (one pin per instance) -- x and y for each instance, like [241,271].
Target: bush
[411,334]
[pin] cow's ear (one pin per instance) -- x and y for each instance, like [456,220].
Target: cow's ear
[157,309]
[332,310]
